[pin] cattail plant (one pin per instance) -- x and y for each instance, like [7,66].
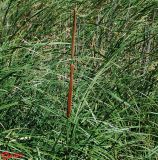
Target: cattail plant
[72,66]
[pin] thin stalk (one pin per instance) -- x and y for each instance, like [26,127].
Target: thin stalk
[73,35]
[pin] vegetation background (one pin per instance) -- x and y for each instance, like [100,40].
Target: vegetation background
[115,100]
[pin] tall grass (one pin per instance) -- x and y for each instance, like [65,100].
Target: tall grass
[115,101]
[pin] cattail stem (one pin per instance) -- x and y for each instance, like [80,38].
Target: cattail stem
[73,35]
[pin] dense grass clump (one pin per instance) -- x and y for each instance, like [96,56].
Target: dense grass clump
[115,101]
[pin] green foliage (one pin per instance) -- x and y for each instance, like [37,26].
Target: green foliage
[115,98]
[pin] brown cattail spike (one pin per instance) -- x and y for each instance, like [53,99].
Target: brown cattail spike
[70,91]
